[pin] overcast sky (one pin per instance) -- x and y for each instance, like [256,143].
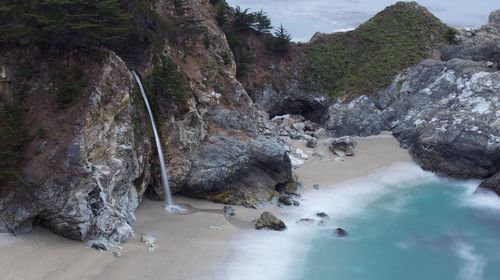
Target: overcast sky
[304,17]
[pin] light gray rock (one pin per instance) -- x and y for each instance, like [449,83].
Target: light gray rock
[229,211]
[477,45]
[94,169]
[344,146]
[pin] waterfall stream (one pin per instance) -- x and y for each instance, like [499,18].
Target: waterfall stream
[169,207]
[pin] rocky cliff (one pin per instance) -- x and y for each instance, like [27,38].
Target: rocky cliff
[88,159]
[444,111]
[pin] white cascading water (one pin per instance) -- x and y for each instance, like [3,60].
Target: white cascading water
[169,207]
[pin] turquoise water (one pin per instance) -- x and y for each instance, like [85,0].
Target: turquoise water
[403,223]
[431,230]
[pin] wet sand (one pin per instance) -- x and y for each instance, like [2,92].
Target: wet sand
[186,247]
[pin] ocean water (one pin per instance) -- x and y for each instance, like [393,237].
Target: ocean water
[402,223]
[304,18]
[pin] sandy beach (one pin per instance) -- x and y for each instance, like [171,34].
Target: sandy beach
[187,248]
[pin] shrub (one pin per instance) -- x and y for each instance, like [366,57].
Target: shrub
[71,85]
[168,79]
[449,34]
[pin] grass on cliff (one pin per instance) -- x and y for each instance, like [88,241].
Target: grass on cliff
[367,59]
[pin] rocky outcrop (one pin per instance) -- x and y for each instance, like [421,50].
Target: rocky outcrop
[445,112]
[238,171]
[93,159]
[86,176]
[344,146]
[478,45]
[269,221]
[492,183]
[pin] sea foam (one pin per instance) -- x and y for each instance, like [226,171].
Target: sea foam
[276,255]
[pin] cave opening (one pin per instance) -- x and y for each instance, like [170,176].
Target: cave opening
[310,109]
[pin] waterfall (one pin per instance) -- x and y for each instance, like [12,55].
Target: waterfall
[170,207]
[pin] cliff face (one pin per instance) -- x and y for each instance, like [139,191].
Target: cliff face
[444,111]
[85,167]
[88,156]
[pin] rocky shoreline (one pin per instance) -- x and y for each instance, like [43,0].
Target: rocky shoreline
[88,164]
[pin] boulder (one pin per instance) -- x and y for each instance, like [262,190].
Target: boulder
[229,211]
[344,146]
[231,170]
[339,232]
[269,221]
[322,215]
[492,183]
[312,143]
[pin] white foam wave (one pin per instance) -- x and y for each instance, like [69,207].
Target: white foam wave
[273,255]
[473,265]
[480,198]
[353,197]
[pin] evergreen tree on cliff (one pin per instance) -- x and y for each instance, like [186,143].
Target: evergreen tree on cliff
[282,42]
[65,23]
[262,22]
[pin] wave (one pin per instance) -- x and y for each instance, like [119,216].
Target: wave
[275,255]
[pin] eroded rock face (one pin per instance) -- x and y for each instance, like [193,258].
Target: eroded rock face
[445,113]
[88,176]
[238,171]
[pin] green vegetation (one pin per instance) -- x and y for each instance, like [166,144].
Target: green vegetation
[167,79]
[281,44]
[63,23]
[12,137]
[367,59]
[262,22]
[71,84]
[238,24]
[450,35]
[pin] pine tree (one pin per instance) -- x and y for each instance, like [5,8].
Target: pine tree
[282,40]
[66,23]
[262,22]
[243,20]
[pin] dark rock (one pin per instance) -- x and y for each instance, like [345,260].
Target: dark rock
[339,232]
[293,187]
[322,215]
[285,199]
[312,143]
[229,211]
[316,187]
[478,45]
[492,183]
[344,146]
[269,221]
[17,213]
[232,171]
